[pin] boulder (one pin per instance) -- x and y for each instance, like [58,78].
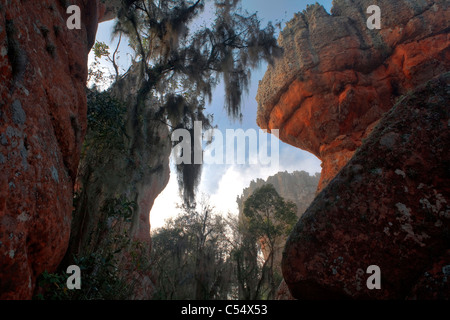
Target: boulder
[389,207]
[337,77]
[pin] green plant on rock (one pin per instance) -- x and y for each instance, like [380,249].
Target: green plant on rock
[100,280]
[100,265]
[52,286]
[106,122]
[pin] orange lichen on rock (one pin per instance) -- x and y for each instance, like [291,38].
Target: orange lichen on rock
[337,78]
[43,72]
[388,206]
[383,194]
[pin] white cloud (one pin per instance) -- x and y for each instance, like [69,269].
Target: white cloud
[165,205]
[225,182]
[236,178]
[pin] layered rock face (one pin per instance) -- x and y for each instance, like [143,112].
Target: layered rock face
[43,70]
[335,82]
[389,207]
[337,77]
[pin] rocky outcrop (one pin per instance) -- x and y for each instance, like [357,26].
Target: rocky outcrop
[43,70]
[334,83]
[389,206]
[337,77]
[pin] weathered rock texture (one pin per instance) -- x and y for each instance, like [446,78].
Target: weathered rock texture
[389,206]
[337,77]
[43,70]
[336,80]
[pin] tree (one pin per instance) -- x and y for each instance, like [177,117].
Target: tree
[247,263]
[174,71]
[99,76]
[270,219]
[201,255]
[191,256]
[181,65]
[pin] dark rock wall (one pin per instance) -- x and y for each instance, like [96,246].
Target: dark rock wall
[43,71]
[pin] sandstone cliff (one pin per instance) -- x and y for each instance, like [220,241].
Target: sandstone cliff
[122,180]
[43,70]
[335,82]
[43,119]
[389,206]
[337,77]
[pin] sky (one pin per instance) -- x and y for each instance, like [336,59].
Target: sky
[222,182]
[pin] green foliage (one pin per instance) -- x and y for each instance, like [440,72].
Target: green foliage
[53,285]
[191,257]
[100,280]
[269,219]
[100,49]
[269,214]
[101,277]
[100,76]
[175,70]
[234,43]
[201,255]
[106,122]
[111,235]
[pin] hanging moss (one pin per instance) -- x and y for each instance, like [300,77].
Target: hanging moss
[183,66]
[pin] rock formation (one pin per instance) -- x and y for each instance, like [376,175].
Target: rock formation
[43,70]
[337,77]
[389,205]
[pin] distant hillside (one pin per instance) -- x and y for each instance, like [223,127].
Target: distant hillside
[298,187]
